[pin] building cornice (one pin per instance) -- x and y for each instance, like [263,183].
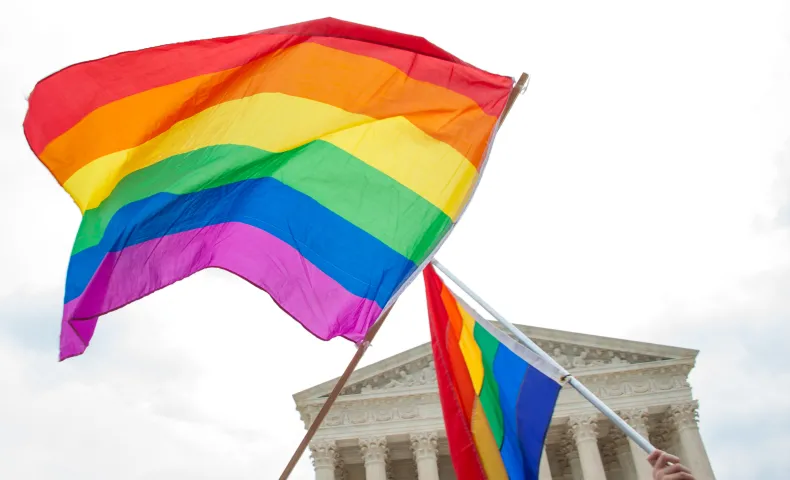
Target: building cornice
[571,346]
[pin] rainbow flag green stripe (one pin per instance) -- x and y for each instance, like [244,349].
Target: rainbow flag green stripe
[324,162]
[311,169]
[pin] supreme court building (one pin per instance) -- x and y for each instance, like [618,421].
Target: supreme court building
[387,423]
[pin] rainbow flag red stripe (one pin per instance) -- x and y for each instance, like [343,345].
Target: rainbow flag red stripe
[324,162]
[497,396]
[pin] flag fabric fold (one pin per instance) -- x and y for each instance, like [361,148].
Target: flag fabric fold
[497,396]
[324,162]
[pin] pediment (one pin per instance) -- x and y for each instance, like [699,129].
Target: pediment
[413,370]
[408,376]
[582,352]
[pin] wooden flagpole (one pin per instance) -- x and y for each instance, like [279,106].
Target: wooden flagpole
[521,87]
[341,382]
[518,89]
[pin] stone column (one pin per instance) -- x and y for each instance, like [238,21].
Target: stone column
[325,457]
[611,465]
[585,434]
[624,457]
[424,449]
[567,459]
[637,418]
[575,464]
[693,453]
[545,471]
[374,452]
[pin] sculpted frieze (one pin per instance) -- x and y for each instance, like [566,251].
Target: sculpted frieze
[640,382]
[419,373]
[360,414]
[333,419]
[384,415]
[407,413]
[573,357]
[357,418]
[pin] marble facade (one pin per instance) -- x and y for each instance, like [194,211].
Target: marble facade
[387,423]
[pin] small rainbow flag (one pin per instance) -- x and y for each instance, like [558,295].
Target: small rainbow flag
[324,162]
[497,396]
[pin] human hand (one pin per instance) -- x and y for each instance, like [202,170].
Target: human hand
[662,470]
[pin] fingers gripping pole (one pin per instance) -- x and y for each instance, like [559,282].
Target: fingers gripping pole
[643,443]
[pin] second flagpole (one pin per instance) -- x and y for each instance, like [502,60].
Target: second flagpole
[643,443]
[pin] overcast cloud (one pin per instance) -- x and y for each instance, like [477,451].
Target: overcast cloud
[640,189]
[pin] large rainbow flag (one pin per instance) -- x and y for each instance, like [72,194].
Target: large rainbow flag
[497,396]
[324,162]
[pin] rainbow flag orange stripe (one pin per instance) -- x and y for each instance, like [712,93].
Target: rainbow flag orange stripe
[497,396]
[324,162]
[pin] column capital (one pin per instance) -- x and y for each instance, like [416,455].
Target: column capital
[567,447]
[637,418]
[584,427]
[684,415]
[618,438]
[374,449]
[424,445]
[324,454]
[661,435]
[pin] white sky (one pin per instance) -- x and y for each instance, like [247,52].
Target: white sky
[638,190]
